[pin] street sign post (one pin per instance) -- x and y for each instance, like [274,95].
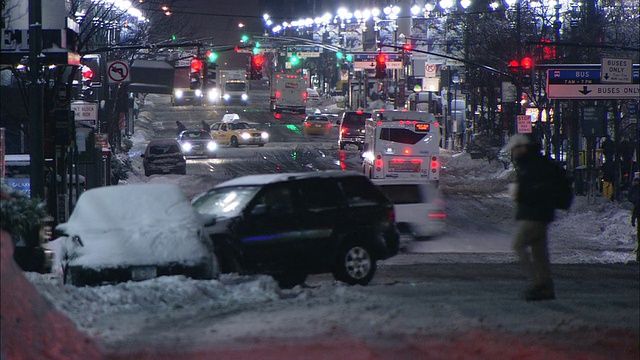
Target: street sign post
[368,61]
[586,84]
[524,124]
[85,112]
[616,71]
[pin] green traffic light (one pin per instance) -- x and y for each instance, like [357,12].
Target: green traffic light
[256,51]
[211,56]
[173,37]
[257,44]
[294,60]
[349,58]
[339,55]
[244,38]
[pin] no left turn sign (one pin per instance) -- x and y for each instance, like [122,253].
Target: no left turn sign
[118,71]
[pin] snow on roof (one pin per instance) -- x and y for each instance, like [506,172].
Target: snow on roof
[274,178]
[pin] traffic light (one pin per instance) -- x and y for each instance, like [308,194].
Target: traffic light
[211,56]
[196,65]
[294,60]
[381,66]
[522,70]
[244,38]
[87,73]
[339,55]
[349,58]
[195,78]
[257,61]
[407,47]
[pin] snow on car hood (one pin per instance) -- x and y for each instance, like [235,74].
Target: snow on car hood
[133,225]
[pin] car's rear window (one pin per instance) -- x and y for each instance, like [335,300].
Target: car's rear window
[360,191]
[164,149]
[355,120]
[317,118]
[402,194]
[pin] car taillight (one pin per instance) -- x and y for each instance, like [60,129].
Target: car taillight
[343,130]
[392,214]
[307,124]
[328,125]
[440,216]
[278,94]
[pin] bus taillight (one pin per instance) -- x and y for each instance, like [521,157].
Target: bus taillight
[416,161]
[434,164]
[379,163]
[407,151]
[278,94]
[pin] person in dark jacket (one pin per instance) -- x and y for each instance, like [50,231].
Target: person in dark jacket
[205,126]
[534,211]
[181,127]
[634,198]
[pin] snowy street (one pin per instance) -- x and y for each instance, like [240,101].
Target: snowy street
[459,295]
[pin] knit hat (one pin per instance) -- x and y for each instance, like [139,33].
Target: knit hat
[520,140]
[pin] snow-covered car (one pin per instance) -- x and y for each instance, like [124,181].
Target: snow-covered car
[134,232]
[418,206]
[163,156]
[197,143]
[295,224]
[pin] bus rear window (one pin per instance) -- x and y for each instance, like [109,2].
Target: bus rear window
[404,136]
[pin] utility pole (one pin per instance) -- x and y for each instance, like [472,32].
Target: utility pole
[36,103]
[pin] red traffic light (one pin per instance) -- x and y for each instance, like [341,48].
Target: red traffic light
[527,63]
[407,47]
[514,64]
[258,60]
[196,65]
[87,73]
[381,59]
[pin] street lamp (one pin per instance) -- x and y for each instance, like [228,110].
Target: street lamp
[415,9]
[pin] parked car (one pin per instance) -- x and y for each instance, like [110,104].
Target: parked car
[238,133]
[134,232]
[316,125]
[197,143]
[164,157]
[292,225]
[313,97]
[352,129]
[418,206]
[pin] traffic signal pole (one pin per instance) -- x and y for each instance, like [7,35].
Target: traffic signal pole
[36,102]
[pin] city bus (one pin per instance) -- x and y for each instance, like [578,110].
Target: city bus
[402,145]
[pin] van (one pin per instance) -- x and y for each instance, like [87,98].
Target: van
[352,125]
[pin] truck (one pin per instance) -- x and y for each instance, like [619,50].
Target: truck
[183,90]
[288,93]
[233,86]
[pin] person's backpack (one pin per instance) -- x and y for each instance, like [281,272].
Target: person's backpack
[562,195]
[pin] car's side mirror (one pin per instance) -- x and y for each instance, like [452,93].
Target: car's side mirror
[259,209]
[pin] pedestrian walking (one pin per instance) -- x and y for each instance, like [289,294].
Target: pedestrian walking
[181,127]
[634,198]
[205,126]
[537,181]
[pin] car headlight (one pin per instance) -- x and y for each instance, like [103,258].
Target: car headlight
[226,96]
[212,95]
[245,97]
[187,147]
[245,136]
[198,92]
[264,135]
[211,146]
[178,94]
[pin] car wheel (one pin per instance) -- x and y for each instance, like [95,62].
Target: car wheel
[228,262]
[234,142]
[289,280]
[356,265]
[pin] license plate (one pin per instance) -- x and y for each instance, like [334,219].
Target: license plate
[404,167]
[143,273]
[318,125]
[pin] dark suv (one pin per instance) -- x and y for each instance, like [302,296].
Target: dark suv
[352,128]
[292,225]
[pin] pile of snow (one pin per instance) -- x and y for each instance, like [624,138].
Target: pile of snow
[462,174]
[30,327]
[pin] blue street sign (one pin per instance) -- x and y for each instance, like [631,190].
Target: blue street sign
[581,76]
[372,57]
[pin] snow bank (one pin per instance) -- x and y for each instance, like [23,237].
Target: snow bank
[30,327]
[462,174]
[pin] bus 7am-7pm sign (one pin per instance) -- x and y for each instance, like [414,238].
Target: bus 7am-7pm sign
[586,84]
